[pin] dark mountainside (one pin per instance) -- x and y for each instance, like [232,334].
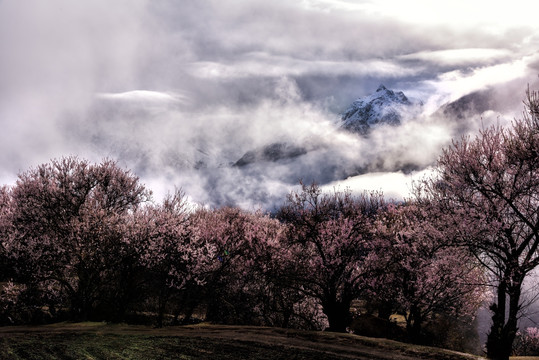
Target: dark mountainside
[468,105]
[461,110]
[273,152]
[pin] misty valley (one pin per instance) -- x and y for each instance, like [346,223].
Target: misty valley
[229,159]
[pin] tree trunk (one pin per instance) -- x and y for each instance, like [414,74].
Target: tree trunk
[81,305]
[287,314]
[385,309]
[414,322]
[338,313]
[161,305]
[502,333]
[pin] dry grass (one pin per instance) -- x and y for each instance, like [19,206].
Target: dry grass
[102,341]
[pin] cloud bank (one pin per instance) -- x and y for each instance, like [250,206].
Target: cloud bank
[178,92]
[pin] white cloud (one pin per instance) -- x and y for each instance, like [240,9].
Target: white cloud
[458,82]
[482,15]
[461,57]
[163,86]
[394,185]
[264,64]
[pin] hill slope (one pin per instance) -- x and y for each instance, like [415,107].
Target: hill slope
[101,341]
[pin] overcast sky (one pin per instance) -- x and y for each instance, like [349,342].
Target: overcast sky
[164,85]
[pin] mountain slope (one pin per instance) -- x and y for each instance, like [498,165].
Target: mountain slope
[273,152]
[468,105]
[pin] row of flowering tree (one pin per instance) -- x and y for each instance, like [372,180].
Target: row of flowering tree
[85,241]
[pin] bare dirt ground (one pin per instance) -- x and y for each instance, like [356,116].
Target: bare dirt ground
[219,341]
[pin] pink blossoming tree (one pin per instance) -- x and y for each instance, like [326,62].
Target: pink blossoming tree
[487,190]
[330,238]
[175,261]
[420,273]
[69,224]
[242,243]
[5,231]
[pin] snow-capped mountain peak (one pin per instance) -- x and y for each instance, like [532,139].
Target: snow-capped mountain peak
[385,106]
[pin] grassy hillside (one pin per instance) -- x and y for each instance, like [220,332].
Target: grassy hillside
[102,341]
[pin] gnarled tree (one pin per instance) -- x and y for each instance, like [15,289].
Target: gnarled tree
[487,192]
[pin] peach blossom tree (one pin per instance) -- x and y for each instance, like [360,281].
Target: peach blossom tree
[487,192]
